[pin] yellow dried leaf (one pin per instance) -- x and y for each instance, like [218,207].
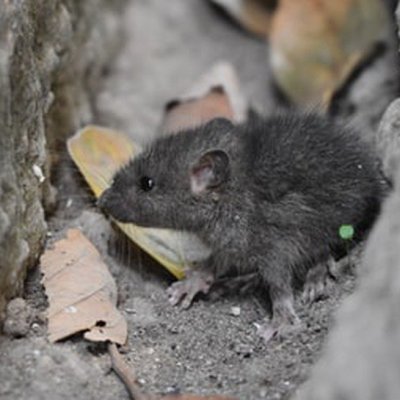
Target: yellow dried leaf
[316,44]
[99,153]
[81,292]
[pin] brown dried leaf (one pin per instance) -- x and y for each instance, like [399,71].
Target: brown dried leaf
[81,292]
[216,94]
[253,15]
[316,44]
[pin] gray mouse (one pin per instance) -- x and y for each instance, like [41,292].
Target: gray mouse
[268,196]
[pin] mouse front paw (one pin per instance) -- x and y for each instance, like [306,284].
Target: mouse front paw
[183,292]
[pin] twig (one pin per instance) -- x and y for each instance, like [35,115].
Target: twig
[126,374]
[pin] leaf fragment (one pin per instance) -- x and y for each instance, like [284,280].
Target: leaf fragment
[82,293]
[216,94]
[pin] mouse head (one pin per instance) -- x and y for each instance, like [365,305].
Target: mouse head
[176,183]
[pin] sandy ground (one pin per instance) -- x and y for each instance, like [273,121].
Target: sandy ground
[206,349]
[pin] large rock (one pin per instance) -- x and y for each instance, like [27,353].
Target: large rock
[362,356]
[388,139]
[52,54]
[361,360]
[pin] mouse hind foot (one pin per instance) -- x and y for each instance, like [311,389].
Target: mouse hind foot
[284,320]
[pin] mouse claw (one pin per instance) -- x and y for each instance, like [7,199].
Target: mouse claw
[283,322]
[175,293]
[185,291]
[277,328]
[266,331]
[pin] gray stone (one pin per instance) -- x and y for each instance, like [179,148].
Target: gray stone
[362,356]
[52,55]
[19,316]
[388,139]
[45,370]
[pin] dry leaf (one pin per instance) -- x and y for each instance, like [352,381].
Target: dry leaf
[81,292]
[253,15]
[316,44]
[216,94]
[99,153]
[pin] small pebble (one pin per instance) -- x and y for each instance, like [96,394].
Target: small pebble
[35,327]
[235,311]
[37,171]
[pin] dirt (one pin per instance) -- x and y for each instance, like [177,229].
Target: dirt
[212,347]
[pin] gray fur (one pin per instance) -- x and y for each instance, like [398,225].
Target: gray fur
[293,180]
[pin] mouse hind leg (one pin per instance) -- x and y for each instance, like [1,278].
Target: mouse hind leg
[284,317]
[277,277]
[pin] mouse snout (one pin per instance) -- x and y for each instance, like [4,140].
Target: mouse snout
[103,202]
[112,203]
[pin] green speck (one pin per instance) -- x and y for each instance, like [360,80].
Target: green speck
[346,232]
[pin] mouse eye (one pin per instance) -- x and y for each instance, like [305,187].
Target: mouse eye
[146,183]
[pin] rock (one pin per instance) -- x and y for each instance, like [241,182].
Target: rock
[388,139]
[362,357]
[361,360]
[53,372]
[19,317]
[52,55]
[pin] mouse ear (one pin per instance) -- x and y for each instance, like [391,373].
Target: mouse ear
[210,171]
[220,124]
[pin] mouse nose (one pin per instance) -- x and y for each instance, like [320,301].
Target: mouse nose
[102,201]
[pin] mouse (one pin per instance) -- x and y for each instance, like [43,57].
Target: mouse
[269,197]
